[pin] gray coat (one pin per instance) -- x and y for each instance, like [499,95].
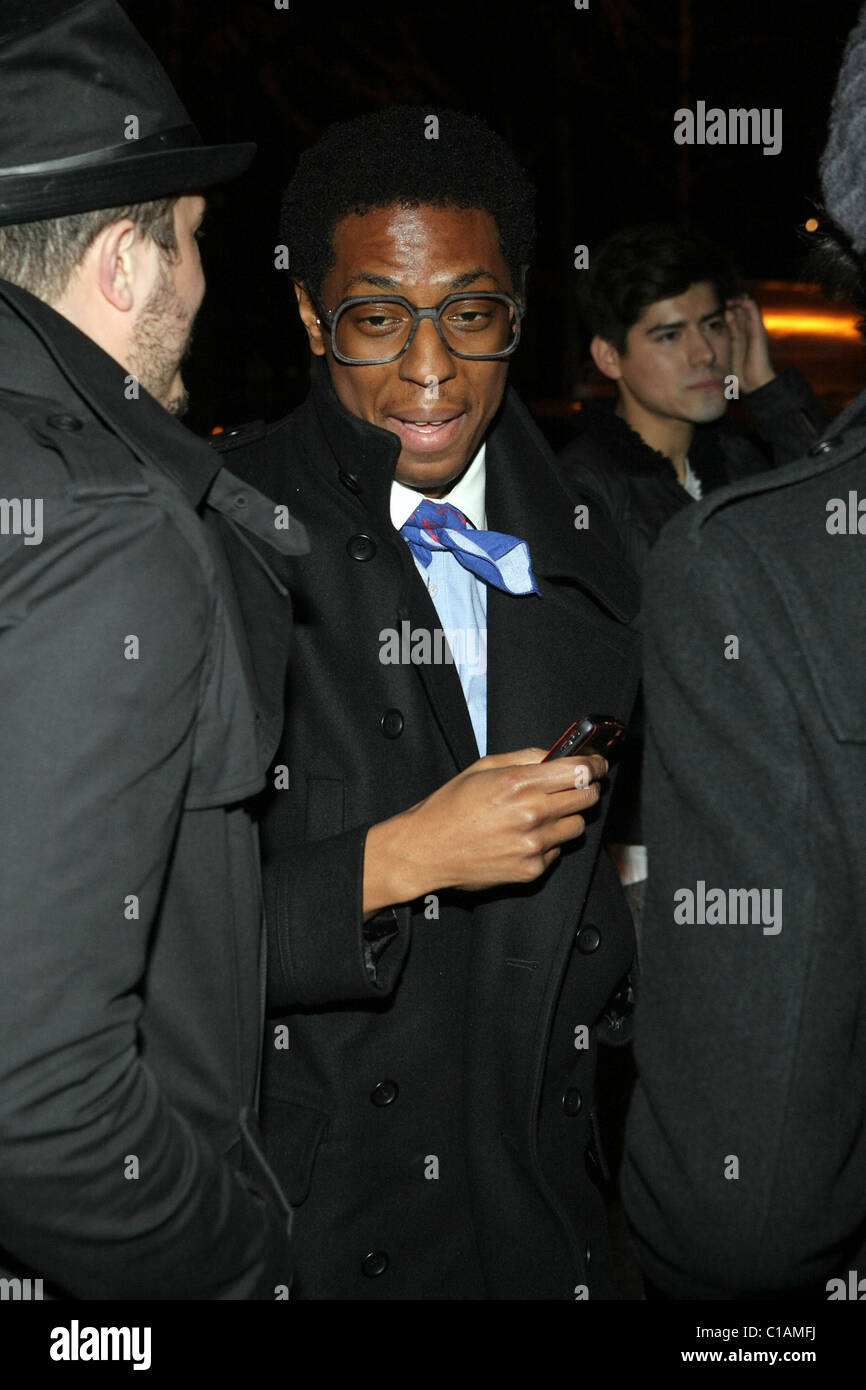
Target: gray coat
[130,902]
[746,1162]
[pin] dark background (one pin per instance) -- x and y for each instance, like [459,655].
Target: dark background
[585,98]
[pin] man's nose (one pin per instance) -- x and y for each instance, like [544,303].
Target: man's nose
[702,352]
[427,358]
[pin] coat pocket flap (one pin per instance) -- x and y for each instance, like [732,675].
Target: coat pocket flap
[292,1134]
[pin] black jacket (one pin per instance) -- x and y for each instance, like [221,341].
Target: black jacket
[751,1040]
[431,1107]
[639,485]
[641,491]
[130,900]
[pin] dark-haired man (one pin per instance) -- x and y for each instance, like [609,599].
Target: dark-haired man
[445,935]
[663,322]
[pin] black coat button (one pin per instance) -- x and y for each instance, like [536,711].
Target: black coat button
[391,723]
[572,1101]
[64,422]
[375,1264]
[361,547]
[385,1093]
[588,940]
[349,481]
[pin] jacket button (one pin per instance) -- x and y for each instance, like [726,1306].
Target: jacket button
[375,1264]
[391,723]
[572,1101]
[241,499]
[384,1093]
[349,480]
[64,422]
[824,446]
[588,940]
[361,547]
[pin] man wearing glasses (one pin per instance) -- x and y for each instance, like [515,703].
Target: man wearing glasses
[445,937]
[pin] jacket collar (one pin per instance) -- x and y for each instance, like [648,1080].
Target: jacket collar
[601,425]
[524,495]
[45,355]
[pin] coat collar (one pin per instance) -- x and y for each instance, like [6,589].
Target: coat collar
[524,495]
[600,424]
[45,355]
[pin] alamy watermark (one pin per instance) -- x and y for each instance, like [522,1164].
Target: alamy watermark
[77,1343]
[22,516]
[846,517]
[21,1290]
[421,646]
[740,125]
[702,906]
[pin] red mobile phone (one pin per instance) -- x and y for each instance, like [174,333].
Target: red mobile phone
[595,733]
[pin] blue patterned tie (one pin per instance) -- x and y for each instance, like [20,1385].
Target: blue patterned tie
[494,557]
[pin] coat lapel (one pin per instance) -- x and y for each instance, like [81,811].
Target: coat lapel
[568,653]
[441,682]
[367,457]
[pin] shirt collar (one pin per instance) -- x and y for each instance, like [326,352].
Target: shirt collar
[467,495]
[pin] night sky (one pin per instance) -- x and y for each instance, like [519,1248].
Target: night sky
[586,98]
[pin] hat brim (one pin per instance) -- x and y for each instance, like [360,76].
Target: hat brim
[135,178]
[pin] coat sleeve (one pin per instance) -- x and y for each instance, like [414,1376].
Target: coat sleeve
[105,1189]
[745,1149]
[320,950]
[788,415]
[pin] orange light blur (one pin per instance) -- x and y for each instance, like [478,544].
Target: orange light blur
[811,224]
[822,325]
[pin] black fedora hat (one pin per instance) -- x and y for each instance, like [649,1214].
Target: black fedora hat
[88,117]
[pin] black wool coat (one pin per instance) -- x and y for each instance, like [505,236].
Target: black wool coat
[427,1095]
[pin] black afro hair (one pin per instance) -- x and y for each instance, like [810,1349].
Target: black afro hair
[387,158]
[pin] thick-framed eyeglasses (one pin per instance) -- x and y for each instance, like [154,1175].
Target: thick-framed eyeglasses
[372,329]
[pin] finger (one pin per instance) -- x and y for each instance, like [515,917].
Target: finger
[571,803]
[564,774]
[519,758]
[568,828]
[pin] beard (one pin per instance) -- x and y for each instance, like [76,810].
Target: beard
[178,402]
[161,341]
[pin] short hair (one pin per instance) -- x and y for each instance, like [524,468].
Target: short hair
[640,265]
[385,158]
[42,256]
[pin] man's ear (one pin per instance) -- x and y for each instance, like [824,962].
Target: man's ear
[310,319]
[606,357]
[116,262]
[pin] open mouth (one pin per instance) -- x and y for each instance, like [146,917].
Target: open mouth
[421,433]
